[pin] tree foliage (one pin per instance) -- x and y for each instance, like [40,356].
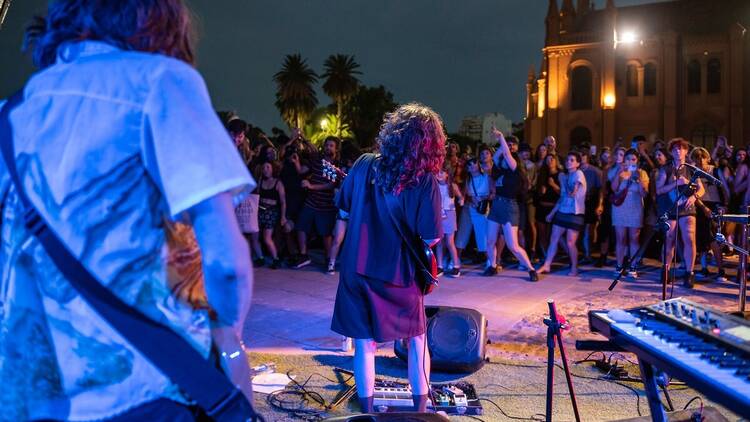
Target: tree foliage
[340,83]
[364,111]
[295,93]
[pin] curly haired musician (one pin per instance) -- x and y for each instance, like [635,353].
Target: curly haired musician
[378,298]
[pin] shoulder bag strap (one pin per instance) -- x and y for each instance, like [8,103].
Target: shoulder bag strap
[166,350]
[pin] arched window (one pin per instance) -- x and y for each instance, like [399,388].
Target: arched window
[581,83]
[580,135]
[631,75]
[713,76]
[703,135]
[694,77]
[649,79]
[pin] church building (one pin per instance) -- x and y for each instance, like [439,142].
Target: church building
[662,70]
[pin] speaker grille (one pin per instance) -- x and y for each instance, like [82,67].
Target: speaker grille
[452,334]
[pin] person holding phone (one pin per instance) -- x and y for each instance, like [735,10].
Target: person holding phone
[627,218]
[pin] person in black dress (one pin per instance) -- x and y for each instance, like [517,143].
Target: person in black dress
[378,298]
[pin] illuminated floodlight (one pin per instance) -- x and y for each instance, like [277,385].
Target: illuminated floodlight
[609,100]
[629,37]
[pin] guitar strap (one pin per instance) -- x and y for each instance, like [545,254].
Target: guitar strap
[164,348]
[395,212]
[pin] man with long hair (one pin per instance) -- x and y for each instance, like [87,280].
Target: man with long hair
[119,148]
[379,298]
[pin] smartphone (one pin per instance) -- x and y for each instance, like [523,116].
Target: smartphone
[634,145]
[592,150]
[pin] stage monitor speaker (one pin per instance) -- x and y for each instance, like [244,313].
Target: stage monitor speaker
[457,339]
[391,417]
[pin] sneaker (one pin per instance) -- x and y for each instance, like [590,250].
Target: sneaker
[721,276]
[705,273]
[586,260]
[440,271]
[600,262]
[454,272]
[259,262]
[632,273]
[690,280]
[331,270]
[302,261]
[618,270]
[276,264]
[533,276]
[490,271]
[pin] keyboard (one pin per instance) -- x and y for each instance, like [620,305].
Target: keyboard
[707,349]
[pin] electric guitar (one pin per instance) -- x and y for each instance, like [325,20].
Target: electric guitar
[331,172]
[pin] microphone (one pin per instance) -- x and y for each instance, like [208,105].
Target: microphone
[703,175]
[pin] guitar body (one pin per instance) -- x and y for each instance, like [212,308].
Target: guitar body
[427,273]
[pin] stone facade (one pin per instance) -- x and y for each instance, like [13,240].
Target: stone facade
[662,70]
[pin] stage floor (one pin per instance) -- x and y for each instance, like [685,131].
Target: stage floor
[291,311]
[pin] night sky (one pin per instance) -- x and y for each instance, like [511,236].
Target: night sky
[460,57]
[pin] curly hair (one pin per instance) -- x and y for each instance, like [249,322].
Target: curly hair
[154,26]
[412,144]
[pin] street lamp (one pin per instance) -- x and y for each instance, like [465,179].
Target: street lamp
[628,37]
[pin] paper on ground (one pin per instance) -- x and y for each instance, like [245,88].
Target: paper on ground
[269,382]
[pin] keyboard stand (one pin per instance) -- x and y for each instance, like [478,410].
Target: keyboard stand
[648,375]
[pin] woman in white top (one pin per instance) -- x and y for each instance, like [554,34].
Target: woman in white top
[567,216]
[449,194]
[477,201]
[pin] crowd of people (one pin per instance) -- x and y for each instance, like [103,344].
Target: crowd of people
[511,203]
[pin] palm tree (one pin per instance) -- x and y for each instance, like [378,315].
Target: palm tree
[295,95]
[340,82]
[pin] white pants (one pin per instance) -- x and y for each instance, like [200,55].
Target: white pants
[471,218]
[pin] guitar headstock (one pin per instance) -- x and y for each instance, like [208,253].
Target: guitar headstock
[331,172]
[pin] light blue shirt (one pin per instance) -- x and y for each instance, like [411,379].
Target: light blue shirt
[111,147]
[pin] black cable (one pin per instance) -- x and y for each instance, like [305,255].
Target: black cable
[586,359]
[519,418]
[692,400]
[622,356]
[295,399]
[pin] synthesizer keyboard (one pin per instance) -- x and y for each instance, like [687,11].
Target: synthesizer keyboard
[707,349]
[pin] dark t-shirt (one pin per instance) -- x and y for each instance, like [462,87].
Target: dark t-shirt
[321,199]
[593,177]
[507,182]
[292,181]
[373,246]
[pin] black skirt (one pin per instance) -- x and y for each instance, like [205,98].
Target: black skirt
[568,221]
[370,308]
